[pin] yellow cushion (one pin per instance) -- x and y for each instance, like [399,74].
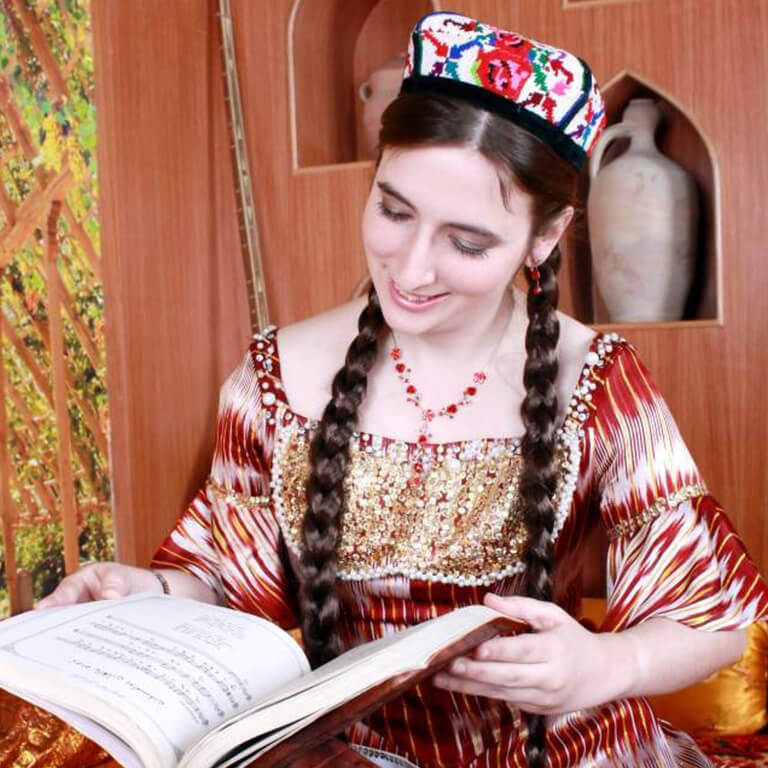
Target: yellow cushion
[731,701]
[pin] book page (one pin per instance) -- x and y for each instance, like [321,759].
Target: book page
[414,648]
[302,701]
[151,668]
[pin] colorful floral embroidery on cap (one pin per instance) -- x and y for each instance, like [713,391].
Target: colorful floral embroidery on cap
[545,89]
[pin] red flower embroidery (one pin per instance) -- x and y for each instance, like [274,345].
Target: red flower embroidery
[509,40]
[505,70]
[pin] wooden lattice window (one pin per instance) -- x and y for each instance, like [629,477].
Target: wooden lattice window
[54,474]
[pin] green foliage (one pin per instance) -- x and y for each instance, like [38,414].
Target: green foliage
[40,551]
[97,541]
[63,134]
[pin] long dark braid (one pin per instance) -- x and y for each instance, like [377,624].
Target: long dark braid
[329,460]
[538,481]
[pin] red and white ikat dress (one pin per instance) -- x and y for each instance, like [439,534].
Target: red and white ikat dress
[431,529]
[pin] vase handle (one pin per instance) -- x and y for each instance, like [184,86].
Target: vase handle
[618,131]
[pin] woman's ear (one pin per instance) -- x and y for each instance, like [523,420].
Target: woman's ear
[547,239]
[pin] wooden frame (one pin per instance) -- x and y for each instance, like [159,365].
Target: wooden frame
[570,5]
[327,104]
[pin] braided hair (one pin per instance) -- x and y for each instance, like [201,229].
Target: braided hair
[423,120]
[538,480]
[329,460]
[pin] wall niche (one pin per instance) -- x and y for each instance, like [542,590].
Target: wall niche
[679,138]
[333,48]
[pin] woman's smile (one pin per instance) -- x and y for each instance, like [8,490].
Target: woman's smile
[413,301]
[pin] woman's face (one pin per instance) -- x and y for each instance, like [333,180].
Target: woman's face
[441,244]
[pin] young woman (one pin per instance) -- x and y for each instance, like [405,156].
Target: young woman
[471,441]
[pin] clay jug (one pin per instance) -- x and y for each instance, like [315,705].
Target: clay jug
[377,92]
[643,214]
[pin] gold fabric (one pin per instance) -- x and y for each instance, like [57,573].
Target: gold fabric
[732,701]
[400,505]
[31,737]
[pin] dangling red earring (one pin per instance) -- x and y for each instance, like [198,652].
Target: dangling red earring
[535,277]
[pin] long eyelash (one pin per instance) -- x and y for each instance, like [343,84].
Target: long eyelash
[390,214]
[475,253]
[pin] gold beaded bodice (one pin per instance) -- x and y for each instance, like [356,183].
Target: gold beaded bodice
[449,515]
[446,513]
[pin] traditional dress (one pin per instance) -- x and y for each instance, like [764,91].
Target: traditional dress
[431,528]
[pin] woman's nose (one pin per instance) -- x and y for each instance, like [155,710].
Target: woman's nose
[416,267]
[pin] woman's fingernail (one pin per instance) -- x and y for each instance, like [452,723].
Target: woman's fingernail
[459,667]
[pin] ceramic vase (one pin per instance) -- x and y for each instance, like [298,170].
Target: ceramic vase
[643,216]
[377,92]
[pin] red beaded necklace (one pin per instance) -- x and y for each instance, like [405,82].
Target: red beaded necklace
[412,394]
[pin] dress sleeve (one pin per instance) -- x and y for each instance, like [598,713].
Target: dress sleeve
[672,552]
[228,536]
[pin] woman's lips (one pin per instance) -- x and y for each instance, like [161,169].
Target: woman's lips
[412,302]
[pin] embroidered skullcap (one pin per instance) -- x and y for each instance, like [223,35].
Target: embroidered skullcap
[546,90]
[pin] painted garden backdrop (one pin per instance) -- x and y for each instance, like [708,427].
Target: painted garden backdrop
[54,472]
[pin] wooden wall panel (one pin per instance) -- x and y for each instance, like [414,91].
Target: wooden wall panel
[166,193]
[176,312]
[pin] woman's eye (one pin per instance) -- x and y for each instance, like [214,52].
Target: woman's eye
[476,252]
[469,250]
[392,214]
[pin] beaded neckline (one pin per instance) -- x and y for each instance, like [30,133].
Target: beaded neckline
[274,398]
[420,476]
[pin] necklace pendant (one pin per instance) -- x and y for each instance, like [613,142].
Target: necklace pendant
[419,466]
[412,395]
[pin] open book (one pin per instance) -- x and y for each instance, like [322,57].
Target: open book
[161,682]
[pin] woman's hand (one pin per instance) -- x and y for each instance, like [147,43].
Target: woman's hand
[559,667]
[101,581]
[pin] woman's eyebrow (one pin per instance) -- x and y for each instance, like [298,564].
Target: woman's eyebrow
[390,190]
